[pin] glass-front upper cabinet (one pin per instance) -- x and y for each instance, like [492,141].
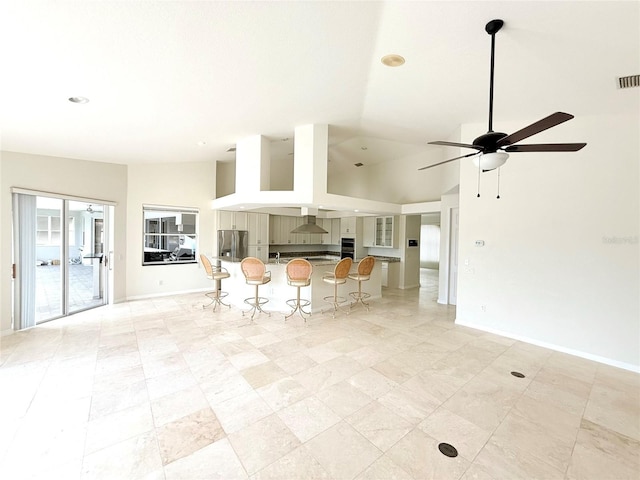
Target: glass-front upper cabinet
[385,235]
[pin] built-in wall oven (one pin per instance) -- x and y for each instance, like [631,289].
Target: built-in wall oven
[348,248]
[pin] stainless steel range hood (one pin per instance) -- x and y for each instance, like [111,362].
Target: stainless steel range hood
[309,226]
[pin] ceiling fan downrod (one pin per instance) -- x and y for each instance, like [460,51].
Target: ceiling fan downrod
[492,28]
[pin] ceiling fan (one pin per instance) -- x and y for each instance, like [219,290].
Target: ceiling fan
[491,148]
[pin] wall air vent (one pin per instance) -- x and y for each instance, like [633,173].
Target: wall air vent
[231,149]
[629,82]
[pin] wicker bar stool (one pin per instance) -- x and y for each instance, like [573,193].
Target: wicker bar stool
[365,266]
[338,277]
[299,273]
[217,274]
[255,274]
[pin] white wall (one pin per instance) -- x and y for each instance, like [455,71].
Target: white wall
[395,181]
[561,257]
[449,201]
[104,181]
[169,184]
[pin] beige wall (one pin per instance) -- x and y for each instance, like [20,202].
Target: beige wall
[96,180]
[560,261]
[190,184]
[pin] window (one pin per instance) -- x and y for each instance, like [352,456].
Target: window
[170,235]
[48,230]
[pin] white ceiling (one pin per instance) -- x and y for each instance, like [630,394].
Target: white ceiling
[163,76]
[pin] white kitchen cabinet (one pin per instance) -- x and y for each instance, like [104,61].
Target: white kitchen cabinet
[259,251]
[258,226]
[228,220]
[335,231]
[287,224]
[326,223]
[368,231]
[386,235]
[274,229]
[348,226]
[280,227]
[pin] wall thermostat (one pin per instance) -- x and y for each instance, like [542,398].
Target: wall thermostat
[479,243]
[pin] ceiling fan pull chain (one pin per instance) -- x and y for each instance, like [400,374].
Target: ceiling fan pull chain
[498,183]
[479,172]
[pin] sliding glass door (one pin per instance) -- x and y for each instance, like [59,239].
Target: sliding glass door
[59,247]
[85,238]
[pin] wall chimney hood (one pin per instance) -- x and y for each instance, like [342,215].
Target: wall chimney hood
[309,226]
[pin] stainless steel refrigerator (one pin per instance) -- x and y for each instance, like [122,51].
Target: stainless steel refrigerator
[233,244]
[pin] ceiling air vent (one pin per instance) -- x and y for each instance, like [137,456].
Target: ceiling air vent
[359,164]
[629,82]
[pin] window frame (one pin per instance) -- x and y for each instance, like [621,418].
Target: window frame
[164,239]
[50,231]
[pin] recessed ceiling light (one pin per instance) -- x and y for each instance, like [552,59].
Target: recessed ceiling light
[392,60]
[78,99]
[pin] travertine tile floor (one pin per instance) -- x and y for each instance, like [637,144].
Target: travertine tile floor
[160,389]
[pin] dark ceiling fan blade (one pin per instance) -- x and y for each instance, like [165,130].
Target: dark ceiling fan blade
[450,160]
[546,147]
[455,144]
[536,127]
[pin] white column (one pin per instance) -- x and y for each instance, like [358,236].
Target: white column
[253,165]
[311,146]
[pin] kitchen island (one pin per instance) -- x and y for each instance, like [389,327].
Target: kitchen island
[278,291]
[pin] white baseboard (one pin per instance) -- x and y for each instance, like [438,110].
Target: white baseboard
[6,333]
[552,346]
[165,294]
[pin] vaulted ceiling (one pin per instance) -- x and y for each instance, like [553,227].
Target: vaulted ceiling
[183,81]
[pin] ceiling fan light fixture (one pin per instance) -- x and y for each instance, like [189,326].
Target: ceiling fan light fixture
[490,161]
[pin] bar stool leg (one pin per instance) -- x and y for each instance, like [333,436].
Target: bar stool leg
[335,301]
[297,306]
[256,303]
[216,297]
[359,296]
